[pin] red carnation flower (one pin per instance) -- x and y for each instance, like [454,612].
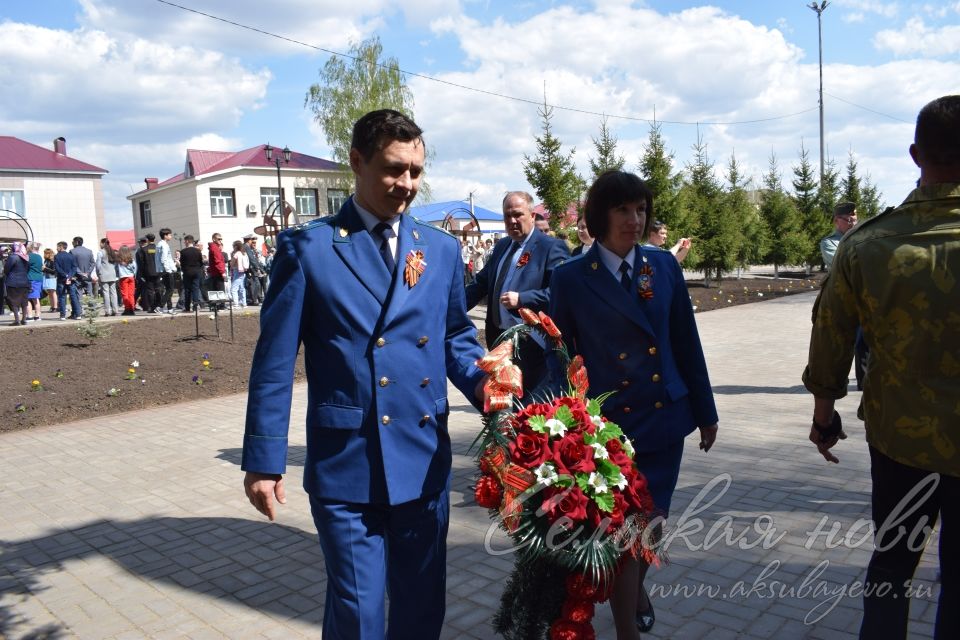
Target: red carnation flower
[579,611]
[548,326]
[530,449]
[580,587]
[572,455]
[487,493]
[570,502]
[566,630]
[529,316]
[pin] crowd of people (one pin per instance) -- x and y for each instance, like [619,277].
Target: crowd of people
[151,277]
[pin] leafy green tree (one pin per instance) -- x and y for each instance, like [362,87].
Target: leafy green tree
[753,240]
[656,169]
[813,221]
[851,184]
[782,220]
[606,148]
[350,88]
[552,174]
[714,251]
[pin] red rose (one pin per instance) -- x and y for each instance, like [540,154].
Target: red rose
[548,326]
[570,502]
[618,456]
[535,409]
[530,449]
[579,412]
[487,493]
[581,587]
[573,455]
[636,492]
[620,507]
[566,630]
[580,611]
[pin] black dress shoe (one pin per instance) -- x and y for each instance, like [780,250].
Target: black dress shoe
[646,618]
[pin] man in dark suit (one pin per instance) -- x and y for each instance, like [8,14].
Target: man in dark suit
[518,275]
[375,298]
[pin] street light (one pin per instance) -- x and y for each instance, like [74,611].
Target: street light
[268,152]
[819,9]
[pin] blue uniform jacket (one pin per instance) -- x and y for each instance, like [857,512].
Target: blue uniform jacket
[647,350]
[531,281]
[377,357]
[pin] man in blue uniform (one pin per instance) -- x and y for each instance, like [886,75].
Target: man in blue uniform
[376,299]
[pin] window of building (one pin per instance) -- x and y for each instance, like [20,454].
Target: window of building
[268,198]
[146,217]
[13,201]
[222,203]
[306,202]
[335,200]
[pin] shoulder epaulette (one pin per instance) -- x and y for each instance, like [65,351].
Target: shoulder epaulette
[427,225]
[305,226]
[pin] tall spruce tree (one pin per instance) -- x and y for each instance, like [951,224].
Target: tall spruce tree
[871,202]
[656,169]
[782,219]
[606,149]
[814,223]
[753,240]
[552,174]
[851,185]
[349,89]
[828,193]
[714,251]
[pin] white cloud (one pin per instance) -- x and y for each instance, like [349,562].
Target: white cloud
[917,38]
[884,9]
[853,18]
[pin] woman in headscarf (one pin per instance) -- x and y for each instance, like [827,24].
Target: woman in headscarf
[16,270]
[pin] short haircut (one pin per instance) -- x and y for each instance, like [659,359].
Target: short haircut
[523,194]
[188,238]
[938,132]
[165,231]
[62,244]
[377,129]
[538,216]
[612,189]
[77,241]
[151,237]
[844,209]
[656,226]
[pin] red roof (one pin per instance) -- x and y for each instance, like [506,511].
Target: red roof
[210,161]
[119,238]
[569,218]
[19,155]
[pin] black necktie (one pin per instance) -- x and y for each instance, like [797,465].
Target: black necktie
[380,231]
[504,269]
[625,276]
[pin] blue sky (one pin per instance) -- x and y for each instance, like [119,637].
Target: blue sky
[132,84]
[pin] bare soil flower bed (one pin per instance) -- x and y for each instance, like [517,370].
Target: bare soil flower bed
[76,378]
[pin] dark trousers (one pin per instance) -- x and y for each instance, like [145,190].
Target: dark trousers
[165,294]
[252,284]
[372,550]
[899,544]
[861,353]
[191,290]
[63,290]
[150,294]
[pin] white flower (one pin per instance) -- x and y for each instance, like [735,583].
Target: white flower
[556,427]
[598,482]
[621,481]
[135,364]
[597,421]
[545,474]
[599,451]
[628,446]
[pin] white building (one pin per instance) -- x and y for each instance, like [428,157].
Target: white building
[229,192]
[47,196]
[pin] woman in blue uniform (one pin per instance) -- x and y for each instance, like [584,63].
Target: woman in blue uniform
[626,310]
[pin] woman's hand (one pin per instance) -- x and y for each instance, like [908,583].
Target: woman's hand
[708,435]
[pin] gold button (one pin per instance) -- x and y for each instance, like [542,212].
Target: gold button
[384,382]
[423,340]
[425,382]
[625,383]
[655,377]
[385,419]
[652,351]
[381,342]
[626,409]
[622,356]
[426,417]
[658,404]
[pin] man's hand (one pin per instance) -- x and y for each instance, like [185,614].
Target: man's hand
[708,435]
[261,488]
[510,299]
[824,447]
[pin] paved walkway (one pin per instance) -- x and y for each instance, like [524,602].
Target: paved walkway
[136,526]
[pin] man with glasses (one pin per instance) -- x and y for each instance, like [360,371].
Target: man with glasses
[216,266]
[844,219]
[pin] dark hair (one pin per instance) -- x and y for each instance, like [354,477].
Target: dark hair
[62,244]
[77,241]
[377,129]
[188,238]
[610,190]
[111,253]
[656,225]
[938,132]
[844,209]
[151,237]
[165,231]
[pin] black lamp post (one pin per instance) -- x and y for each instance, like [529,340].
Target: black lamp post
[268,152]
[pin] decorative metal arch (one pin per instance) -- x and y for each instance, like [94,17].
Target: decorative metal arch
[15,218]
[447,223]
[271,226]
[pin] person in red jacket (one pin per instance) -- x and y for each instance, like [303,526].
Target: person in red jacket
[216,267]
